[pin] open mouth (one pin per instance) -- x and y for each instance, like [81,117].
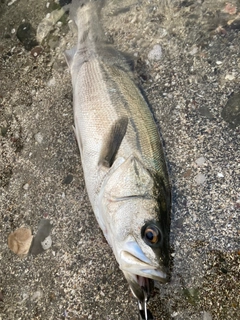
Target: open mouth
[140,286]
[146,284]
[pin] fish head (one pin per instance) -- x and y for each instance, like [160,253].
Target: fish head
[136,215]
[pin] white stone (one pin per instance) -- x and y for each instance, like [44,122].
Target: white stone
[230,77]
[51,82]
[26,186]
[207,315]
[11,2]
[156,53]
[37,295]
[194,50]
[200,161]
[38,137]
[46,243]
[220,175]
[200,178]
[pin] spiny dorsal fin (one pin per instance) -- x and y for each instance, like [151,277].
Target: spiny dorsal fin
[114,140]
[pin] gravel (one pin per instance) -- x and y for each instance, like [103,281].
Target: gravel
[195,101]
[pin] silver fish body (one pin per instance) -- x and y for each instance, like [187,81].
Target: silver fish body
[121,154]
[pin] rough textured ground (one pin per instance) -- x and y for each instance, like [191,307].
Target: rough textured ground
[193,88]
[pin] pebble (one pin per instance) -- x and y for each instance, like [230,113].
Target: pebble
[46,243]
[11,2]
[194,50]
[26,186]
[231,111]
[156,53]
[20,241]
[37,295]
[207,315]
[200,178]
[38,137]
[220,175]
[68,179]
[230,77]
[200,161]
[36,51]
[26,35]
[41,239]
[206,112]
[51,82]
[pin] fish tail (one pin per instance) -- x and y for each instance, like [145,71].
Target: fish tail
[86,15]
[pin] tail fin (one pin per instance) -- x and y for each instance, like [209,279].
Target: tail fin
[86,15]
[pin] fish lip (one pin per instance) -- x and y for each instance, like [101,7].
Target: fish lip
[135,262]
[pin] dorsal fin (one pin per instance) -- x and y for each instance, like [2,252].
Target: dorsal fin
[113,142]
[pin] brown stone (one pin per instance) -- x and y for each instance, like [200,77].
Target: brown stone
[20,241]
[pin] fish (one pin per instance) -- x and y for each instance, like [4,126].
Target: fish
[121,153]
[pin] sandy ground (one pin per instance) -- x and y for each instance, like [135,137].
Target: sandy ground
[193,87]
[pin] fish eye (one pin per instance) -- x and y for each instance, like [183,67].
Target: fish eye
[151,235]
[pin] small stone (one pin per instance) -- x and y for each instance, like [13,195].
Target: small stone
[44,229]
[156,53]
[200,161]
[230,8]
[36,51]
[200,178]
[230,77]
[68,179]
[205,111]
[20,241]
[174,314]
[231,112]
[207,315]
[37,295]
[220,175]
[11,2]
[194,50]
[3,131]
[26,186]
[26,34]
[51,82]
[38,137]
[187,173]
[179,223]
[46,243]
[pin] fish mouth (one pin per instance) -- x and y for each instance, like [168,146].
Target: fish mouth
[139,271]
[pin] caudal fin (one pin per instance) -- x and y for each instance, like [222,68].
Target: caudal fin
[86,15]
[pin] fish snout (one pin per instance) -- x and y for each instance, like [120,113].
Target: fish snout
[134,261]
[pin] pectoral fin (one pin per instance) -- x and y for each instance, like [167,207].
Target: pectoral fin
[114,140]
[69,54]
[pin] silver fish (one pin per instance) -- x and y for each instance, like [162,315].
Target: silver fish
[121,153]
